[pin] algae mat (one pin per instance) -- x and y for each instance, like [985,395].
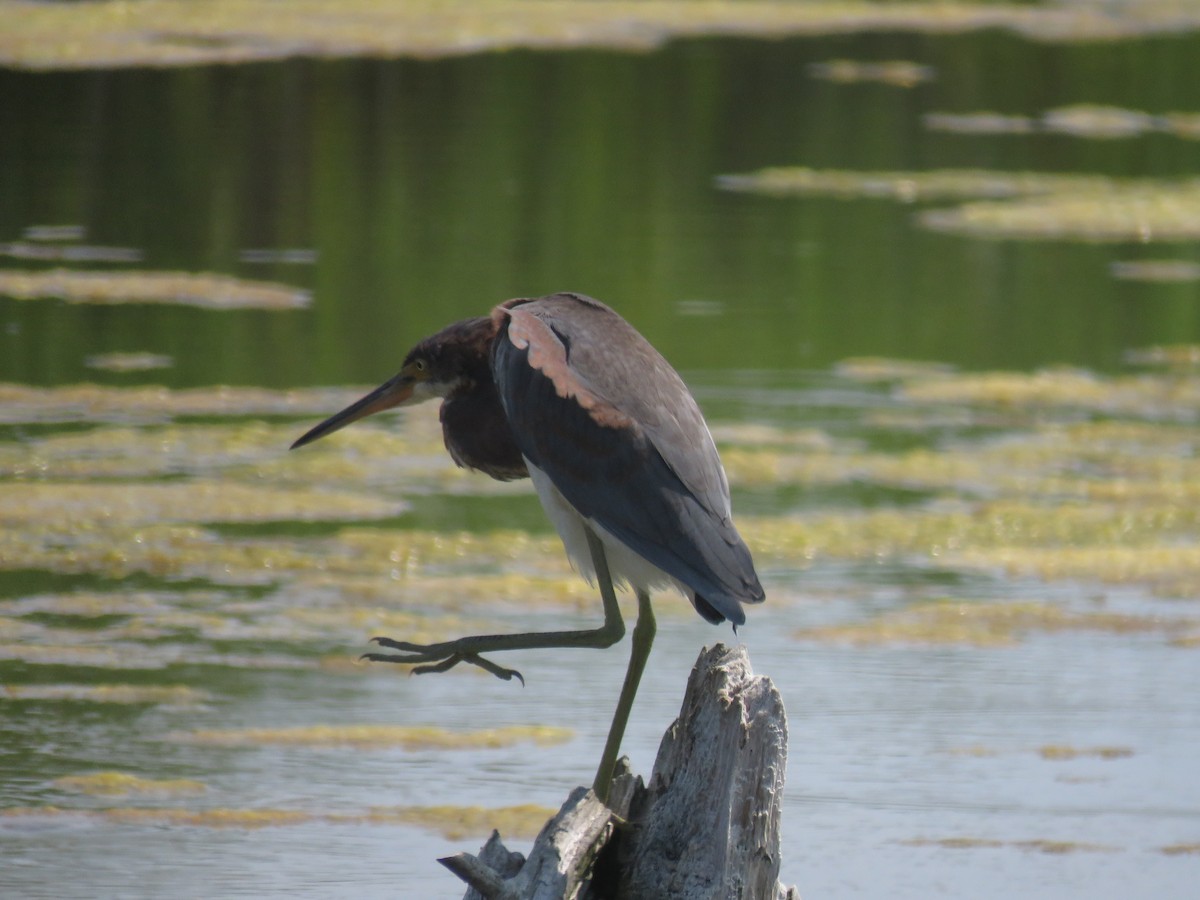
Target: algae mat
[156,33]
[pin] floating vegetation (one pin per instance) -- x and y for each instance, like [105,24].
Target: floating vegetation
[128,362]
[207,818]
[955,843]
[1016,205]
[1138,212]
[125,694]
[910,186]
[103,604]
[1181,849]
[121,784]
[980,624]
[285,257]
[109,34]
[1043,845]
[79,507]
[1092,121]
[1053,752]
[70,252]
[176,288]
[1139,396]
[1082,120]
[1066,752]
[873,368]
[404,564]
[371,737]
[111,656]
[26,404]
[1040,845]
[1161,271]
[896,73]
[54,233]
[979,123]
[165,816]
[521,822]
[1112,500]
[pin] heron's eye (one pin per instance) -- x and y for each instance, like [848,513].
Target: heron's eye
[420,365]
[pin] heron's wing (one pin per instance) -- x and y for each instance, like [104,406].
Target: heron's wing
[600,411]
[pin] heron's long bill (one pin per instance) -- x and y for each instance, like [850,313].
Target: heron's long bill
[396,392]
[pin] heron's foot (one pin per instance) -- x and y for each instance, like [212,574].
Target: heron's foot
[437,658]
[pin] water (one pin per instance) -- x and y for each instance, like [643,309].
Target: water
[423,191]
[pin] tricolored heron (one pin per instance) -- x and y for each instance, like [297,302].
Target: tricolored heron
[564,390]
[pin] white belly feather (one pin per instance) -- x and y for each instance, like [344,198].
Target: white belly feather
[626,566]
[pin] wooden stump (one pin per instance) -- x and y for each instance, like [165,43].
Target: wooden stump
[706,827]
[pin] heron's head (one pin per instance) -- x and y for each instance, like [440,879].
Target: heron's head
[439,365]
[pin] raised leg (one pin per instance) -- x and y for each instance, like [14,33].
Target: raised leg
[643,639]
[447,654]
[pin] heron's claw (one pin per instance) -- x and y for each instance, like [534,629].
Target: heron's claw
[436,658]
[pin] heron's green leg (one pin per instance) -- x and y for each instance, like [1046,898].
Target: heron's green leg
[643,639]
[447,654]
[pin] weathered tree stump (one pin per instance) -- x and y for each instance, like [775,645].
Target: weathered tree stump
[706,827]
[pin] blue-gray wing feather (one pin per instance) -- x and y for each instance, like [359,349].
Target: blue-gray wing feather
[622,439]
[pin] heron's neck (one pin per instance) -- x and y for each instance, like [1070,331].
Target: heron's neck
[477,433]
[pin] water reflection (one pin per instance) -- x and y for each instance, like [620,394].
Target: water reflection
[167,570]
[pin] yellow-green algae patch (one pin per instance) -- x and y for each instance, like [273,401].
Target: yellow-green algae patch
[979,624]
[955,843]
[896,73]
[1041,845]
[158,33]
[1090,120]
[954,530]
[208,818]
[1139,396]
[878,368]
[128,362]
[910,186]
[27,404]
[1171,356]
[983,122]
[81,507]
[1053,752]
[119,784]
[1138,212]
[1172,567]
[74,253]
[1017,205]
[127,694]
[1181,849]
[388,555]
[407,737]
[1160,271]
[322,611]
[1067,752]
[165,816]
[408,456]
[54,233]
[135,286]
[1079,120]
[1044,845]
[521,822]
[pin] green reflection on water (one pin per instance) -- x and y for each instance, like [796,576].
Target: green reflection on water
[430,190]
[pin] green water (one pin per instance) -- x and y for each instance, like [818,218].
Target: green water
[425,191]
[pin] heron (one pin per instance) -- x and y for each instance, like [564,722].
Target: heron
[562,390]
